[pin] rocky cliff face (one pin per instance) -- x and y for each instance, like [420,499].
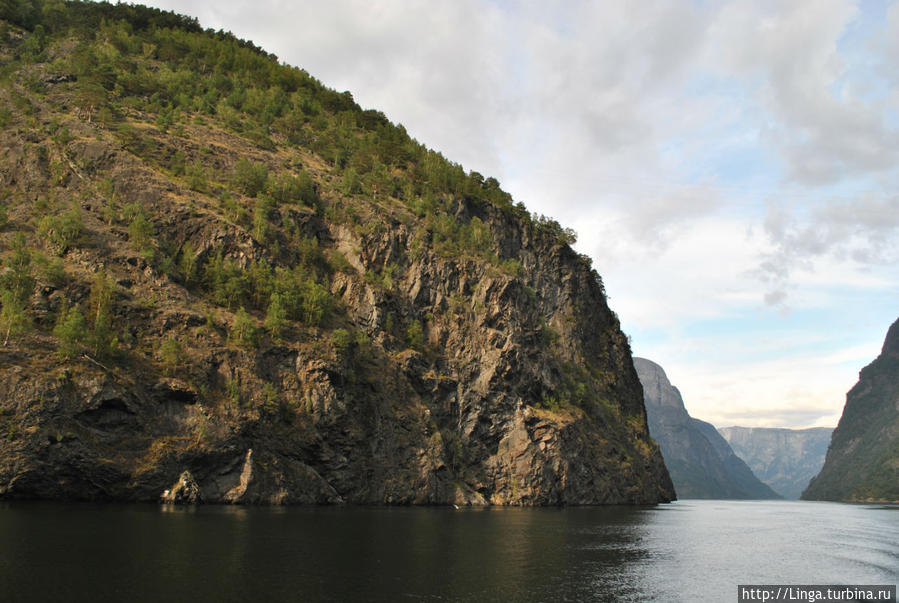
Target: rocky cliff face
[364,326]
[862,462]
[785,459]
[701,463]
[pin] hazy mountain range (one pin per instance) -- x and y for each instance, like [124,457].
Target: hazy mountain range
[785,459]
[700,461]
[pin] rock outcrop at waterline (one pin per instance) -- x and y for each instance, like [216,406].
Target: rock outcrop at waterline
[862,462]
[701,462]
[242,288]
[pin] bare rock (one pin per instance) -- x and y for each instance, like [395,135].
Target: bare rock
[185,491]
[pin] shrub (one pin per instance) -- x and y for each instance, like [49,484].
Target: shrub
[342,342]
[250,178]
[351,184]
[292,189]
[103,339]
[196,177]
[140,230]
[316,303]
[415,337]
[243,331]
[18,279]
[71,331]
[178,163]
[14,318]
[172,354]
[187,265]
[50,269]
[64,230]
[271,399]
[276,316]
[261,213]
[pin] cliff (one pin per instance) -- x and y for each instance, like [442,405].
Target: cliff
[700,461]
[223,282]
[785,459]
[862,462]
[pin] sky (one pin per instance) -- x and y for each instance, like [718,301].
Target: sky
[731,167]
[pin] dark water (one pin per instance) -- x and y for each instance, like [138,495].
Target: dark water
[686,551]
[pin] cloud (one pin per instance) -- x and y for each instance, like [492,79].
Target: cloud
[695,271]
[773,386]
[862,232]
[790,56]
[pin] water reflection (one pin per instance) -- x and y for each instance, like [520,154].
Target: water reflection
[689,550]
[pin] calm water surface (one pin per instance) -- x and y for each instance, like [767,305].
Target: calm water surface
[685,551]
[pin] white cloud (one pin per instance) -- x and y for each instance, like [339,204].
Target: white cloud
[822,128]
[698,274]
[789,389]
[844,240]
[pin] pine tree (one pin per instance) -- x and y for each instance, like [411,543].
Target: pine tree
[13,317]
[243,332]
[103,339]
[171,353]
[276,317]
[71,331]
[19,280]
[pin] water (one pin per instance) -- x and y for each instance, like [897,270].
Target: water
[685,551]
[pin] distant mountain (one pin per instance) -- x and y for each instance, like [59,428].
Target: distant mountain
[699,460]
[862,462]
[785,459]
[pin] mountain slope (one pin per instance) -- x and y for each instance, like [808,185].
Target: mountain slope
[222,281]
[785,459]
[701,463]
[862,462]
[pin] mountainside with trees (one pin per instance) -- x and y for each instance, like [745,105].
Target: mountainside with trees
[224,282]
[862,462]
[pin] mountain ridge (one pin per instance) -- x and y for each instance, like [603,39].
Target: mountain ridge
[223,282]
[862,462]
[785,459]
[700,461]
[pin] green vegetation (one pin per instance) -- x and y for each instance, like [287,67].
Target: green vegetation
[275,316]
[51,270]
[71,331]
[13,317]
[154,82]
[415,337]
[140,229]
[243,331]
[18,280]
[250,178]
[862,461]
[172,354]
[62,231]
[16,285]
[206,212]
[103,340]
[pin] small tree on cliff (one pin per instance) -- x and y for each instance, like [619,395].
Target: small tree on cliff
[13,317]
[71,331]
